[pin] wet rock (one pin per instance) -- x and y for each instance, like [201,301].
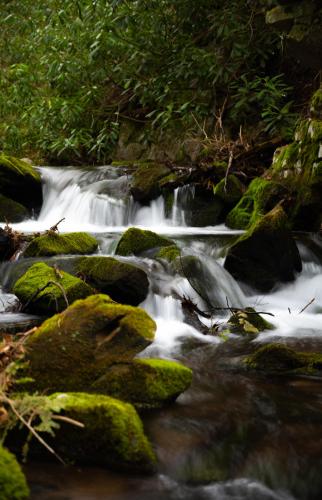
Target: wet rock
[266,254]
[58,244]
[201,207]
[124,282]
[280,358]
[20,182]
[145,184]
[248,321]
[147,383]
[13,485]
[32,289]
[71,350]
[138,241]
[169,253]
[7,246]
[12,211]
[229,191]
[112,435]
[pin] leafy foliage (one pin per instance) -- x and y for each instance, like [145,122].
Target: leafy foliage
[73,69]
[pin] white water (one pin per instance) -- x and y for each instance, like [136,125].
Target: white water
[98,201]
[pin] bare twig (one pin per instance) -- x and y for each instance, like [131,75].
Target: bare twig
[55,226]
[307,305]
[37,292]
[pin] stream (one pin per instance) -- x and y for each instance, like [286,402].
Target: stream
[233,435]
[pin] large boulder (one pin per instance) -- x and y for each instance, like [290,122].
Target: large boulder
[12,211]
[52,243]
[266,254]
[145,183]
[138,241]
[201,208]
[71,350]
[20,181]
[147,383]
[13,485]
[124,282]
[46,290]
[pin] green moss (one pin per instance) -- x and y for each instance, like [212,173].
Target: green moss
[147,383]
[249,322]
[145,184]
[57,244]
[12,211]
[231,191]
[260,197]
[169,253]
[169,180]
[85,339]
[20,181]
[124,282]
[316,104]
[280,358]
[112,435]
[51,299]
[13,484]
[136,241]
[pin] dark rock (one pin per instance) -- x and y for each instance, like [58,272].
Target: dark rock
[145,184]
[266,254]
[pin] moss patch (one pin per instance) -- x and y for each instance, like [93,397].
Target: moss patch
[51,299]
[316,104]
[280,358]
[231,191]
[13,484]
[20,181]
[248,321]
[169,253]
[85,339]
[147,383]
[12,211]
[136,241]
[145,184]
[113,434]
[124,282]
[58,244]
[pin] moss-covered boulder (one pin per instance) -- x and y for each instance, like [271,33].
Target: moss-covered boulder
[112,435]
[266,254]
[229,190]
[13,484]
[124,282]
[12,211]
[71,350]
[169,253]
[145,183]
[46,290]
[278,357]
[138,241]
[20,181]
[261,196]
[58,244]
[248,321]
[147,383]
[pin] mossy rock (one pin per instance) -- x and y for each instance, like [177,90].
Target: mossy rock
[145,183]
[230,191]
[71,350]
[13,485]
[59,244]
[12,211]
[201,207]
[169,253]
[248,321]
[20,181]
[52,298]
[147,383]
[124,282]
[266,254]
[316,104]
[261,196]
[112,435]
[280,358]
[137,241]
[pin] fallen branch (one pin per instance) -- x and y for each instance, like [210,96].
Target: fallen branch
[54,228]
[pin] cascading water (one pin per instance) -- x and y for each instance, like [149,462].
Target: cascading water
[249,438]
